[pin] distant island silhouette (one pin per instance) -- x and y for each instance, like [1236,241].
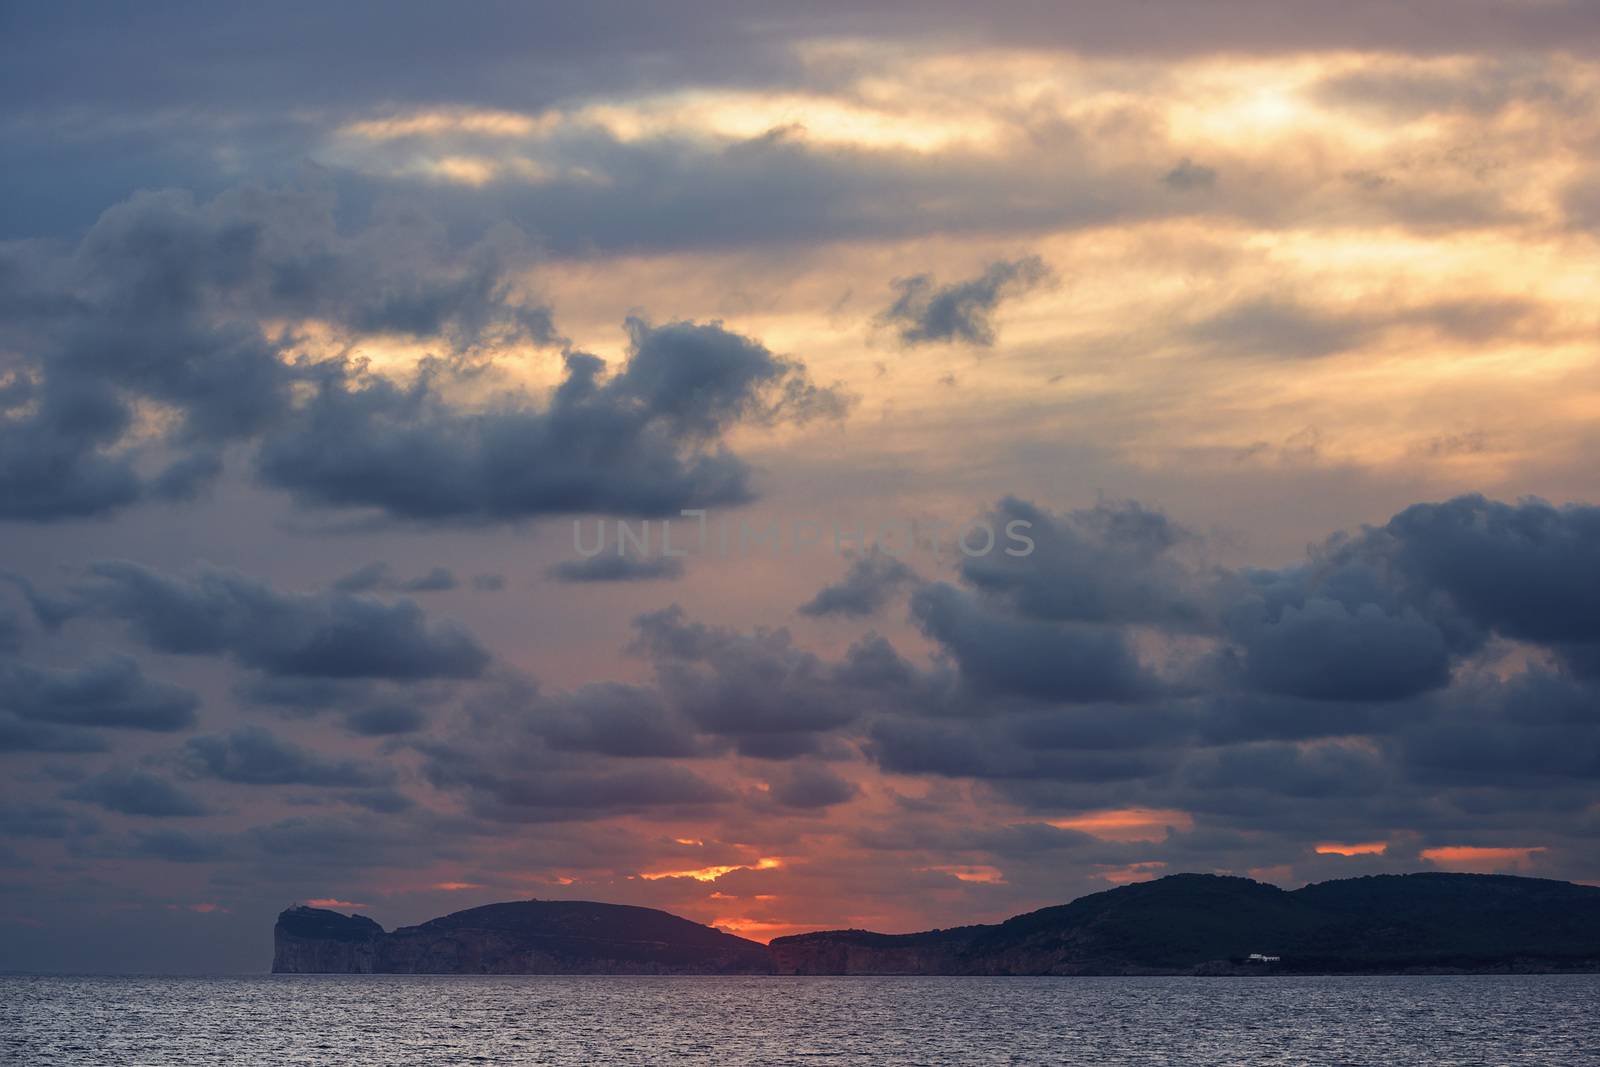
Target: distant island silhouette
[1193,924]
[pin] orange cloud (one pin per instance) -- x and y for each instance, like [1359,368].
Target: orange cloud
[1128,824]
[331,902]
[711,874]
[453,886]
[1479,860]
[1133,872]
[762,930]
[1366,848]
[974,873]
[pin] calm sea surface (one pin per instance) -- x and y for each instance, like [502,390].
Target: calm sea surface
[342,1020]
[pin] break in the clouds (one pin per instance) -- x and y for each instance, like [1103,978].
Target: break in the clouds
[1271,324]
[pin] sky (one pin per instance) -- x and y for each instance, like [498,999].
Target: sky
[877,465]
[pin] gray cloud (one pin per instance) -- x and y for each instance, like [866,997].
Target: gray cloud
[871,581]
[253,756]
[924,312]
[136,793]
[645,441]
[322,635]
[1113,563]
[809,787]
[1043,660]
[617,568]
[166,300]
[21,735]
[1189,175]
[379,577]
[382,720]
[109,692]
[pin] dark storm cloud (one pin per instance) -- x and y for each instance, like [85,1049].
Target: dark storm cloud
[10,630]
[1284,770]
[1532,730]
[22,735]
[809,787]
[1044,660]
[925,312]
[317,635]
[1113,563]
[508,774]
[1530,571]
[768,697]
[523,755]
[382,720]
[989,751]
[166,300]
[611,719]
[253,756]
[1323,650]
[242,57]
[177,846]
[616,568]
[379,577]
[110,692]
[51,464]
[872,580]
[136,793]
[296,696]
[1342,696]
[45,821]
[645,441]
[312,844]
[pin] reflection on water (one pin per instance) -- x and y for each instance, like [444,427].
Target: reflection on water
[404,1020]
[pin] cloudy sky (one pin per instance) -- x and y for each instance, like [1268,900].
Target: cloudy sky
[333,340]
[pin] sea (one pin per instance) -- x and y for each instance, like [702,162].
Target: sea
[394,1020]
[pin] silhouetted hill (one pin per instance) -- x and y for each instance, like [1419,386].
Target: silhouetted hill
[1182,924]
[1194,923]
[520,937]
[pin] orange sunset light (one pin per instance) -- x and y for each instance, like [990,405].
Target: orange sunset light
[1365,848]
[758,929]
[1133,872]
[1128,824]
[1473,859]
[980,872]
[711,874]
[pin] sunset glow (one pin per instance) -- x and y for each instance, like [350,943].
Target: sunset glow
[1370,848]
[1127,824]
[1482,860]
[711,874]
[575,455]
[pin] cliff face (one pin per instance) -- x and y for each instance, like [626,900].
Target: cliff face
[522,937]
[863,952]
[317,941]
